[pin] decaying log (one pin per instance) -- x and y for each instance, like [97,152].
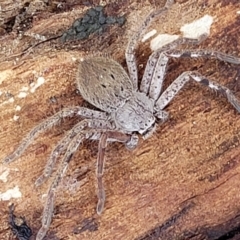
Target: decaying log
[181,183]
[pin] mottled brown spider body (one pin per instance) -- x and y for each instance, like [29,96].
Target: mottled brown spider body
[114,94]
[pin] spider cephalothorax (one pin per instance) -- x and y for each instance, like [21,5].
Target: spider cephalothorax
[125,109]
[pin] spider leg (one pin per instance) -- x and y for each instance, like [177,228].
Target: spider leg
[100,166]
[63,144]
[155,70]
[129,141]
[50,122]
[203,53]
[49,205]
[132,44]
[76,141]
[172,90]
[178,83]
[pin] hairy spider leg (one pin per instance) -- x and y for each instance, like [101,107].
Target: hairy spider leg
[173,89]
[72,147]
[49,123]
[49,205]
[155,70]
[63,143]
[112,136]
[99,172]
[61,146]
[133,42]
[178,83]
[203,53]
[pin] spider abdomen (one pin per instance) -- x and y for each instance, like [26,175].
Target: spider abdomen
[104,83]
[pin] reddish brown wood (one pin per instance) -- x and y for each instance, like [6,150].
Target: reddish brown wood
[181,183]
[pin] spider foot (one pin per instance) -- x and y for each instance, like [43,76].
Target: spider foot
[100,204]
[100,189]
[40,181]
[47,215]
[169,3]
[10,158]
[160,114]
[149,132]
[132,143]
[41,233]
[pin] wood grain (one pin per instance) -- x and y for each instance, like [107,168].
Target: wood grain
[182,183]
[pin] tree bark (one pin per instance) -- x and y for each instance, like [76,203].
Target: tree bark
[181,183]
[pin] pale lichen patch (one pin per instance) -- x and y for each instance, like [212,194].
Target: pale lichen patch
[4,174]
[10,193]
[17,108]
[22,94]
[24,89]
[161,40]
[10,100]
[15,118]
[4,75]
[149,35]
[40,81]
[36,36]
[197,27]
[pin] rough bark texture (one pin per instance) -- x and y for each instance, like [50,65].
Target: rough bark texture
[181,183]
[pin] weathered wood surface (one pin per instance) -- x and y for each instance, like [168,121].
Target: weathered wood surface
[182,183]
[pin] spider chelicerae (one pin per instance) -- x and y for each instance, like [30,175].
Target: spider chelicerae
[125,110]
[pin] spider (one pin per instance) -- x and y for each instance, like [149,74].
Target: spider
[125,111]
